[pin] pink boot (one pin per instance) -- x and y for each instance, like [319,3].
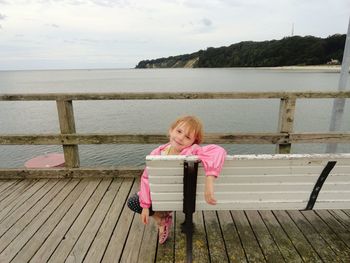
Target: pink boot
[166,223]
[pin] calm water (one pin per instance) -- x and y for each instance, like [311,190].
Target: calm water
[155,116]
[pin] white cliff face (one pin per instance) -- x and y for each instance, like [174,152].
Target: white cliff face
[191,63]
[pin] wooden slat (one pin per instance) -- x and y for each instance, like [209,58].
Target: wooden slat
[81,247]
[286,247]
[237,197]
[149,242]
[342,217]
[38,200]
[12,192]
[253,171]
[200,243]
[337,245]
[101,239]
[58,234]
[23,217]
[11,188]
[133,243]
[173,95]
[216,242]
[265,240]
[177,206]
[200,247]
[258,179]
[249,242]
[118,238]
[316,241]
[226,197]
[98,228]
[234,249]
[5,184]
[70,237]
[63,173]
[263,187]
[217,138]
[338,228]
[113,138]
[38,229]
[318,138]
[14,200]
[9,208]
[180,238]
[299,241]
[347,212]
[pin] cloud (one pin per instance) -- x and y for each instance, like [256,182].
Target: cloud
[53,25]
[111,3]
[103,3]
[2,17]
[200,26]
[110,31]
[206,22]
[204,4]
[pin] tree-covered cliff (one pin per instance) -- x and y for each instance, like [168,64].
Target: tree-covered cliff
[288,51]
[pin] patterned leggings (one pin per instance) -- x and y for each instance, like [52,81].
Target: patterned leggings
[134,205]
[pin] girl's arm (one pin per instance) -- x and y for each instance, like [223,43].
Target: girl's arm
[209,190]
[144,193]
[212,157]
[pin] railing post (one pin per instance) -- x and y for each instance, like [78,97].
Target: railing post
[67,126]
[286,121]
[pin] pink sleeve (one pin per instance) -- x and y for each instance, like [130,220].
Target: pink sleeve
[144,193]
[212,157]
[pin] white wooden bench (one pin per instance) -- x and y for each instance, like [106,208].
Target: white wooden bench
[250,182]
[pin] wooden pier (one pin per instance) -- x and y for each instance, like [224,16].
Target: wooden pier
[78,214]
[86,220]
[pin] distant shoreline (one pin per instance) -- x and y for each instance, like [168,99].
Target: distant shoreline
[312,68]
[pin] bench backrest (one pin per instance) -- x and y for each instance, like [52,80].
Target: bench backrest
[256,182]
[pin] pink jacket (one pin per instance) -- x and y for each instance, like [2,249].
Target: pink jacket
[212,157]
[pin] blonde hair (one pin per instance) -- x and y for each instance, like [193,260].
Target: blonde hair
[193,124]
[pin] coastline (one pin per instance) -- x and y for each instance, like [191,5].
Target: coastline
[313,68]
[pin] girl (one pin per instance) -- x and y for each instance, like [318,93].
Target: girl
[184,136]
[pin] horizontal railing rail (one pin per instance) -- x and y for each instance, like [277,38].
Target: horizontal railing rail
[222,138]
[70,140]
[175,95]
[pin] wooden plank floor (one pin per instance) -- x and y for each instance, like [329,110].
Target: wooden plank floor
[86,220]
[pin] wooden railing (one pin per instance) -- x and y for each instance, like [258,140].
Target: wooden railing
[70,140]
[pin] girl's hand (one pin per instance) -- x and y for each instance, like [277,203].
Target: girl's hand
[145,216]
[209,190]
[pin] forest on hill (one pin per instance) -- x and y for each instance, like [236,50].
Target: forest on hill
[289,51]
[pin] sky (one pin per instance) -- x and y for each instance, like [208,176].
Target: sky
[93,34]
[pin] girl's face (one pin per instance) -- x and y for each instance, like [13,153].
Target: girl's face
[181,137]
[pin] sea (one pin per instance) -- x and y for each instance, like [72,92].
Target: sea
[145,116]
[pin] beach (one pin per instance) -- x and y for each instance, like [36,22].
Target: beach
[312,68]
